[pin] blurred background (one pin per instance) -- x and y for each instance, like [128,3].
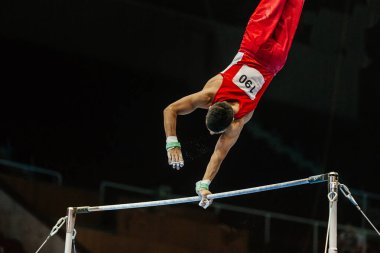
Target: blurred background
[83,86]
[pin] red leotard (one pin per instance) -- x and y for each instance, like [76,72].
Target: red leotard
[263,53]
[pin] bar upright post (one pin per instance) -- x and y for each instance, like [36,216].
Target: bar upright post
[71,213]
[333,201]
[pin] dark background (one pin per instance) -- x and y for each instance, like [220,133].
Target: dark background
[84,83]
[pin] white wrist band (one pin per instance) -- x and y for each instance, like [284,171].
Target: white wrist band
[171,139]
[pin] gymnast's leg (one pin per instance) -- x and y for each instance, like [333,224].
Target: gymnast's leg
[261,25]
[284,33]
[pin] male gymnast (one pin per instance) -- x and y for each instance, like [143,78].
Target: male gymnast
[233,94]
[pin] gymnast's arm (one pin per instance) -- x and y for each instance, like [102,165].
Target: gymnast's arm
[183,106]
[222,147]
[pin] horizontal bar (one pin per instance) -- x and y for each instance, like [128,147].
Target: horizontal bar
[309,180]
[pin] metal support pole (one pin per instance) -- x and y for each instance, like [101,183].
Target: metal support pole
[333,201]
[71,213]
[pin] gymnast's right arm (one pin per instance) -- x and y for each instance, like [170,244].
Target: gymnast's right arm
[182,106]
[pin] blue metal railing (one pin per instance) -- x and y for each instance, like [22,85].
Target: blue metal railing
[32,169]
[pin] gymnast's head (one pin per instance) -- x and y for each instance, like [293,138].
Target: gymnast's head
[219,117]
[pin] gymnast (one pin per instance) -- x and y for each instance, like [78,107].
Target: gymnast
[233,94]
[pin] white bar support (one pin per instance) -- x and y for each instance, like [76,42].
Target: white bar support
[333,203]
[71,214]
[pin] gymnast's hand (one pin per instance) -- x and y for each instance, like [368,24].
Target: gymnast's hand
[173,148]
[205,202]
[201,188]
[175,158]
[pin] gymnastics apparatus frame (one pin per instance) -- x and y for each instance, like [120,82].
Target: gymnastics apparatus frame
[332,224]
[331,177]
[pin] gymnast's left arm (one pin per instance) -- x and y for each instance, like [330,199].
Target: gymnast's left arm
[222,147]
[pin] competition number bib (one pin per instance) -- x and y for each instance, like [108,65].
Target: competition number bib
[250,80]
